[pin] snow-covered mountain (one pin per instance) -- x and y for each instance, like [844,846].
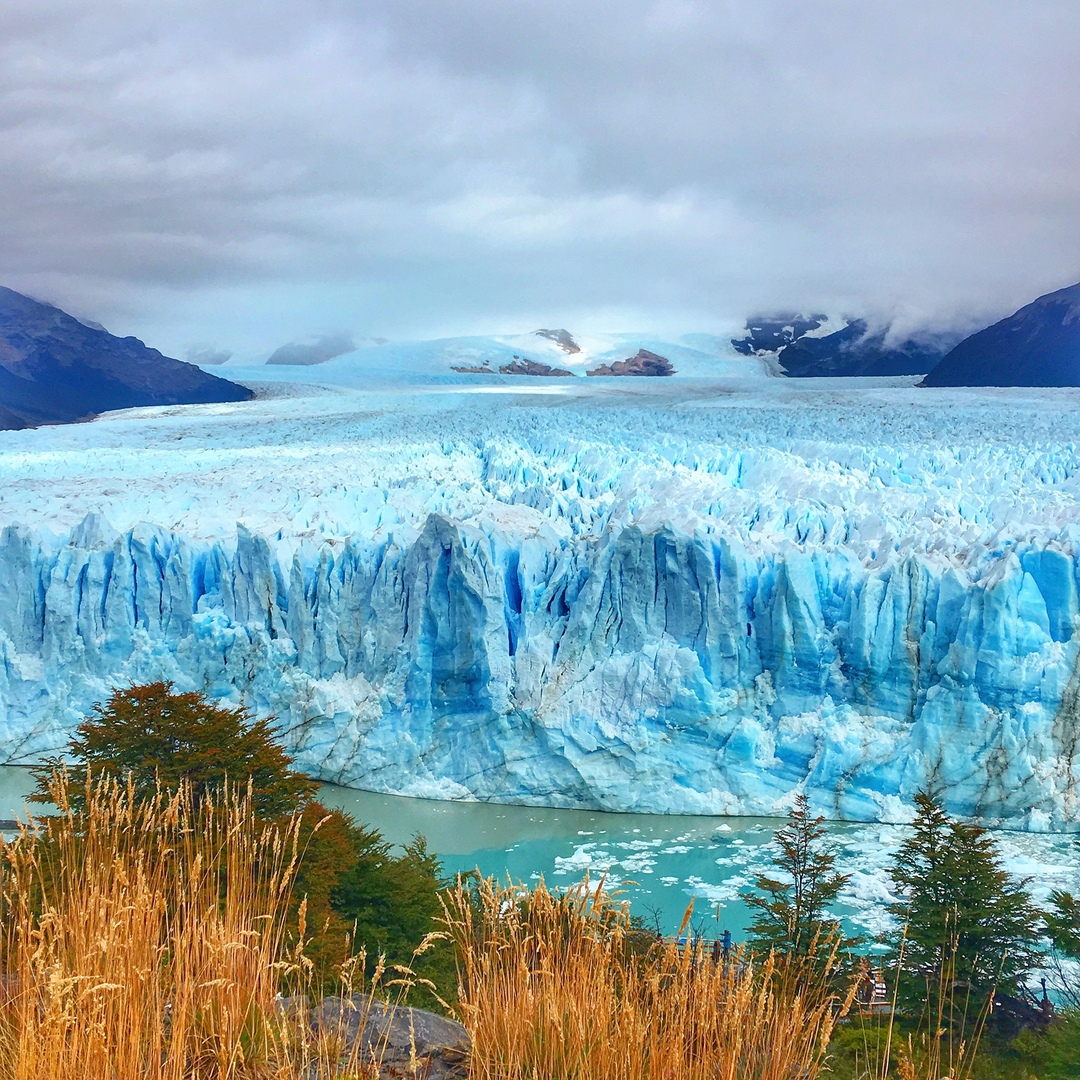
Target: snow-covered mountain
[858,350]
[631,593]
[445,359]
[813,346]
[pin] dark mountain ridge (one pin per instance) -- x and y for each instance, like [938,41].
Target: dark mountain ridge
[1039,345]
[855,349]
[56,369]
[859,351]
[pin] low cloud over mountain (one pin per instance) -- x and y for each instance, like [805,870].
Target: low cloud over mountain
[317,352]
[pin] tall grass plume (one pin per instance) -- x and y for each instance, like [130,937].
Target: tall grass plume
[561,985]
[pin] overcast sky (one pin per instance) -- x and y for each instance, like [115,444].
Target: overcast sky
[233,175]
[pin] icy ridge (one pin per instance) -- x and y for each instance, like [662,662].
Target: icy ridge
[629,600]
[635,670]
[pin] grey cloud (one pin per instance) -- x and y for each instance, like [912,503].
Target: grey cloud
[206,354]
[318,352]
[432,167]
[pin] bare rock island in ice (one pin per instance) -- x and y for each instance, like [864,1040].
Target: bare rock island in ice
[693,594]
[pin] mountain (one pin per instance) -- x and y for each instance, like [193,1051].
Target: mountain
[769,333]
[856,350]
[56,369]
[563,338]
[1039,345]
[511,357]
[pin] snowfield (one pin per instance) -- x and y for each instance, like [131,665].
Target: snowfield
[697,594]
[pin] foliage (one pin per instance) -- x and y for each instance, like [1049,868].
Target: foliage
[965,924]
[1063,923]
[355,891]
[145,939]
[551,990]
[158,737]
[792,914]
[1063,929]
[1055,1053]
[359,891]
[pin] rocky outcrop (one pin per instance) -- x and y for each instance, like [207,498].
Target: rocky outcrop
[1039,345]
[404,1041]
[522,365]
[473,369]
[56,369]
[562,338]
[644,363]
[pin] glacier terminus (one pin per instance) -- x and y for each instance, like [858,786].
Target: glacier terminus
[691,595]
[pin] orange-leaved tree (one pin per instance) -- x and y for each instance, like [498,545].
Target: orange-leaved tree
[162,738]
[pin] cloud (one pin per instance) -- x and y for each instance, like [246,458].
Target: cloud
[318,352]
[257,171]
[206,354]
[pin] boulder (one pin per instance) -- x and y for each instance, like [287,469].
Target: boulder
[397,1036]
[644,363]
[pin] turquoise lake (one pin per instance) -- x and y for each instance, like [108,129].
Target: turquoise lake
[657,862]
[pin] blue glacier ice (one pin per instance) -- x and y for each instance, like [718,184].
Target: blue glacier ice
[700,597]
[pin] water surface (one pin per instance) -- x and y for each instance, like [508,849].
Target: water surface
[658,862]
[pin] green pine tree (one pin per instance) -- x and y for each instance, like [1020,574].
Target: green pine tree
[791,913]
[964,926]
[1063,923]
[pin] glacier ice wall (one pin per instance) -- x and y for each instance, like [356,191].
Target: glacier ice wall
[667,625]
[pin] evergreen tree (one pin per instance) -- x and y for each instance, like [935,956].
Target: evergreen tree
[159,737]
[791,913]
[1063,923]
[1063,929]
[964,924]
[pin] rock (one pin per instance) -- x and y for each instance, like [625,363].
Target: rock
[524,366]
[644,363]
[56,369]
[769,333]
[479,369]
[1039,345]
[859,351]
[393,1032]
[561,338]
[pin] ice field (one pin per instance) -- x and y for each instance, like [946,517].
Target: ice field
[688,595]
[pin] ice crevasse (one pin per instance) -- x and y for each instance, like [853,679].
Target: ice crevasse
[674,666]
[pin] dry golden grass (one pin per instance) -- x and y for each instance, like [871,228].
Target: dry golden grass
[551,989]
[147,942]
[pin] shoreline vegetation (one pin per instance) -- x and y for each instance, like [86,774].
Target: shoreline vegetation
[189,911]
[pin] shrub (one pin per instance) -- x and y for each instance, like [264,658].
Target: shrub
[353,888]
[963,923]
[549,989]
[161,738]
[791,913]
[145,939]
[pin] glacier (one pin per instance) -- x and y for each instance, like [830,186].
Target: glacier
[696,595]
